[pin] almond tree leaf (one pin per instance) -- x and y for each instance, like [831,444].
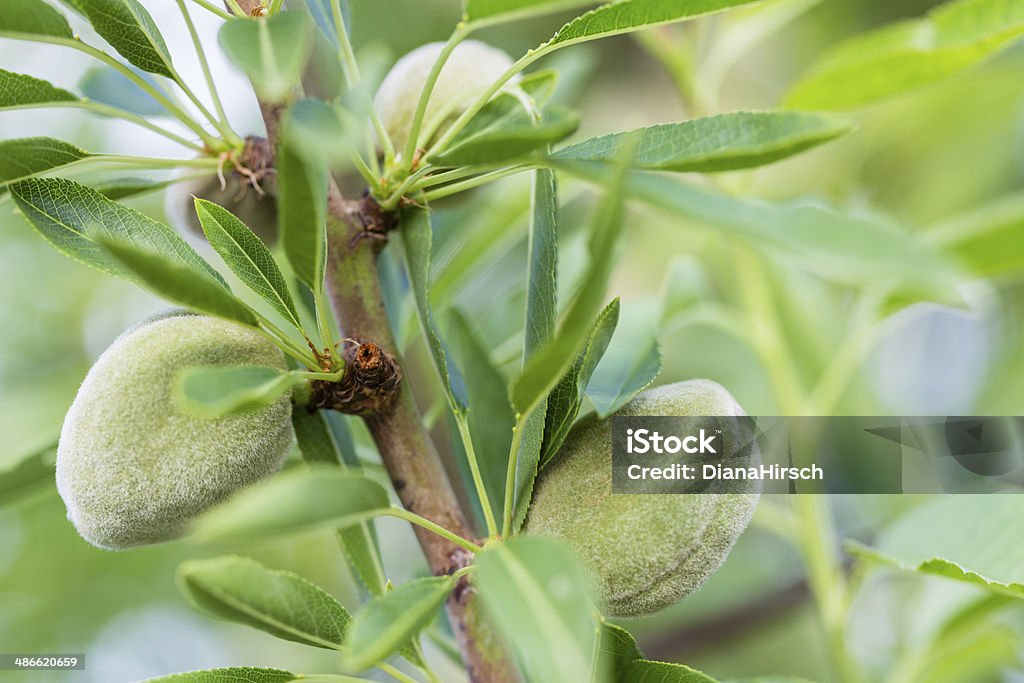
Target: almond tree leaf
[27,18]
[302,179]
[319,447]
[235,674]
[20,90]
[390,621]
[279,602]
[944,538]
[417,235]
[908,55]
[106,85]
[22,158]
[537,594]
[218,391]
[565,399]
[294,501]
[616,18]
[716,143]
[495,11]
[27,475]
[541,318]
[70,216]
[631,361]
[620,661]
[247,257]
[130,30]
[122,188]
[272,52]
[178,282]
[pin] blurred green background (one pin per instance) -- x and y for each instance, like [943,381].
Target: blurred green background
[921,160]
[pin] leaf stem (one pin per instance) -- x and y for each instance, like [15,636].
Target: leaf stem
[413,518]
[476,181]
[209,6]
[474,468]
[409,153]
[222,118]
[237,9]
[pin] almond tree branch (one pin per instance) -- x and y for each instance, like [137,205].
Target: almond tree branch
[413,464]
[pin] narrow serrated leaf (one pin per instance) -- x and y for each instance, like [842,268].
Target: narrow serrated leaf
[492,11]
[21,90]
[130,29]
[22,158]
[565,399]
[716,143]
[302,179]
[247,257]
[235,674]
[620,661]
[507,134]
[538,595]
[389,622]
[295,501]
[71,216]
[27,18]
[218,391]
[179,283]
[416,245]
[631,361]
[616,18]
[281,603]
[272,52]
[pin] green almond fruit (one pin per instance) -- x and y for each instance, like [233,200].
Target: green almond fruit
[471,68]
[645,551]
[132,468]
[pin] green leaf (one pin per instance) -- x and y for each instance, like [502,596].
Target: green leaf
[416,244]
[620,661]
[974,539]
[27,475]
[71,216]
[502,135]
[218,391]
[302,180]
[179,283]
[490,415]
[389,622]
[297,500]
[631,361]
[616,18]
[106,85]
[25,157]
[247,257]
[122,188]
[272,52]
[565,399]
[544,369]
[320,447]
[716,143]
[541,317]
[854,250]
[20,90]
[494,11]
[281,603]
[236,674]
[908,55]
[987,240]
[130,30]
[27,18]
[537,594]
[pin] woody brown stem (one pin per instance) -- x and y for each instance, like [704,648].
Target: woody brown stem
[413,464]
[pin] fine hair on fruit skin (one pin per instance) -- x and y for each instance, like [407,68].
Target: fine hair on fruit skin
[132,467]
[644,551]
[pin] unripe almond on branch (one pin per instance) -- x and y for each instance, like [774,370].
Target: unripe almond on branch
[645,551]
[471,68]
[134,469]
